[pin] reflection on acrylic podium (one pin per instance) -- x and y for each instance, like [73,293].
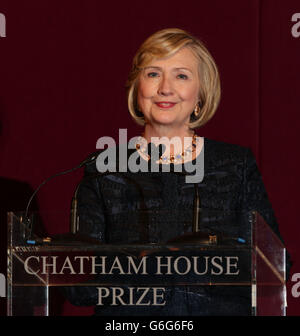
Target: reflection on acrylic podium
[143,274]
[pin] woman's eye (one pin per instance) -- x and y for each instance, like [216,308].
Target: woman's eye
[182,76]
[152,74]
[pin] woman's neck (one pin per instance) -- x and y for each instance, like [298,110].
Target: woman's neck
[175,140]
[151,133]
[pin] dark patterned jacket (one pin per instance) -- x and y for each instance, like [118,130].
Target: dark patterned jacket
[130,208]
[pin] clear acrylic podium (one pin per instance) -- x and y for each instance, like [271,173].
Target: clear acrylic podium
[34,267]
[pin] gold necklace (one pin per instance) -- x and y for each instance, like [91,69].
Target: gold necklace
[180,157]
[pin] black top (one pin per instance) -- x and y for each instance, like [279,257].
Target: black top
[232,183]
[150,207]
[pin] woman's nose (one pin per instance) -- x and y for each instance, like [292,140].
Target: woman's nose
[165,87]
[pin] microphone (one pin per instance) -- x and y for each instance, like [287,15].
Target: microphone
[74,219]
[27,222]
[200,237]
[197,208]
[196,205]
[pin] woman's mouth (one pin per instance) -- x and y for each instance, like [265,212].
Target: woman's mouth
[165,105]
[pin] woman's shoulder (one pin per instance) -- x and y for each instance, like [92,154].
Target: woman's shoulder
[224,147]
[217,152]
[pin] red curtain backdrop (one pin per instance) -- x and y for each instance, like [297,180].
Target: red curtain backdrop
[63,68]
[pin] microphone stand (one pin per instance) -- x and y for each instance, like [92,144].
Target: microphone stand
[199,237]
[196,214]
[27,222]
[74,218]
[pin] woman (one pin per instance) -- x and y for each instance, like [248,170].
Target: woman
[174,88]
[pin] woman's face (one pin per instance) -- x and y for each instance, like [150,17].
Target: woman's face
[168,89]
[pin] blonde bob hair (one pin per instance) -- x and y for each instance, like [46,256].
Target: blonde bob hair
[166,43]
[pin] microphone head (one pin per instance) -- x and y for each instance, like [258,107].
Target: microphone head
[90,159]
